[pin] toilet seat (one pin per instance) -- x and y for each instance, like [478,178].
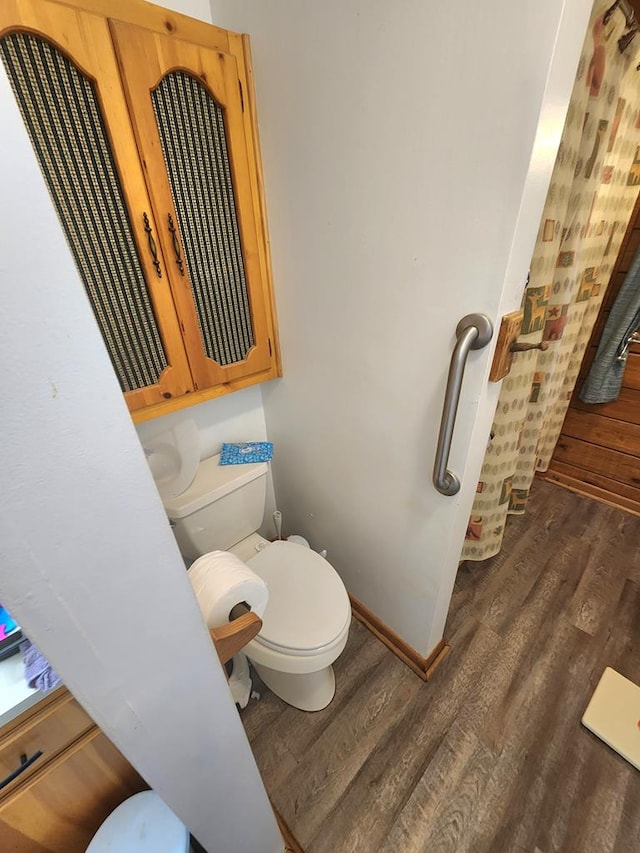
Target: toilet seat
[288,660]
[308,607]
[141,824]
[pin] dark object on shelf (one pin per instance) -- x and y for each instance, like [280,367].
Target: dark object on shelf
[11,644]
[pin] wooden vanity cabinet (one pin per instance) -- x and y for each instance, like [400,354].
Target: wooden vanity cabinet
[144,125]
[60,800]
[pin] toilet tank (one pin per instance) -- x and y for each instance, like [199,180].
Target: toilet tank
[224,504]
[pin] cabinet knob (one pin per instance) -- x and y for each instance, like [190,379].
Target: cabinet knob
[521,346]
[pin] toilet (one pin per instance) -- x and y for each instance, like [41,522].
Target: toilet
[306,623]
[141,824]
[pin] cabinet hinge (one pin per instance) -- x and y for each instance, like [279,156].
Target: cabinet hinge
[241,94]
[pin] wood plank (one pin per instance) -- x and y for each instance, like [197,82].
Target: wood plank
[333,761]
[62,806]
[625,260]
[196,397]
[584,812]
[229,639]
[48,704]
[300,732]
[86,39]
[156,18]
[398,762]
[564,473]
[510,328]
[49,732]
[632,372]
[525,538]
[629,820]
[520,585]
[593,484]
[491,710]
[587,361]
[603,424]
[599,325]
[282,720]
[589,771]
[616,282]
[597,595]
[625,408]
[631,378]
[441,810]
[275,760]
[546,712]
[424,667]
[290,842]
[603,431]
[240,45]
[612,463]
[145,58]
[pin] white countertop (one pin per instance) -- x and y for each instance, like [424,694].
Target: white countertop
[15,695]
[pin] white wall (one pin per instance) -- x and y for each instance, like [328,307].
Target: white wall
[235,417]
[396,142]
[88,564]
[195,8]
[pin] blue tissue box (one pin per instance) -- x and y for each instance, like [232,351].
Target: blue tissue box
[247,451]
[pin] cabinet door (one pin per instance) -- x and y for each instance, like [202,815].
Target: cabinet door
[61,807]
[43,732]
[186,105]
[64,73]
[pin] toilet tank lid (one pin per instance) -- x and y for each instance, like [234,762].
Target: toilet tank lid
[142,824]
[212,482]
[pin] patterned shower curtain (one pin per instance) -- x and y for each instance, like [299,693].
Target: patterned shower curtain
[593,189]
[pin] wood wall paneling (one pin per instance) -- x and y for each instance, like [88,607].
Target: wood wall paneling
[424,667]
[598,452]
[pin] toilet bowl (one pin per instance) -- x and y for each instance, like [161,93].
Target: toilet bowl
[305,626]
[306,623]
[141,824]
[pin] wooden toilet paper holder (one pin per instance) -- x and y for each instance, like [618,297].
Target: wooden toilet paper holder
[229,639]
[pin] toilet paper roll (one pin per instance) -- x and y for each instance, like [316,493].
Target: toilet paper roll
[221,580]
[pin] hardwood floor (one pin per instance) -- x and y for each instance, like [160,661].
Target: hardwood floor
[489,756]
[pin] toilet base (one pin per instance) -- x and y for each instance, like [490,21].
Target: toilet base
[309,691]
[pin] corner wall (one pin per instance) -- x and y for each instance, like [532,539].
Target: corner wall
[397,142]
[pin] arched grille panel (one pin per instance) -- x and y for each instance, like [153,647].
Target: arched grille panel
[63,118]
[194,144]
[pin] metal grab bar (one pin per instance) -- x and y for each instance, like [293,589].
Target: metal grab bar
[472,332]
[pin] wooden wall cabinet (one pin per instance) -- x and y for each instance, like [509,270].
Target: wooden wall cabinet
[144,125]
[60,801]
